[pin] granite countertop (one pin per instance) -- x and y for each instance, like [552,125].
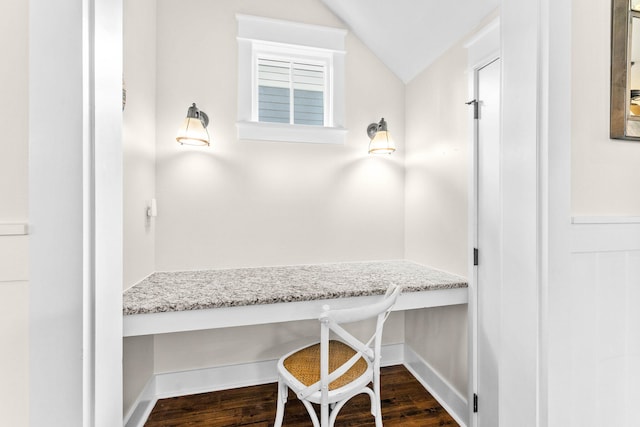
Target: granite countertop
[195,290]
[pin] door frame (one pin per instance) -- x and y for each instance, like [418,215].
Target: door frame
[75,213]
[482,49]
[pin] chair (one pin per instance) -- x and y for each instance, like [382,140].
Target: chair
[331,372]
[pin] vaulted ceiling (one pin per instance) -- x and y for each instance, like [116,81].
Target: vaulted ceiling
[408,35]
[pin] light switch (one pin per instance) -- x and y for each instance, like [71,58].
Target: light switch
[152,209]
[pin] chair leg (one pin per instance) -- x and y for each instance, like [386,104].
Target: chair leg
[335,410]
[378,415]
[324,415]
[336,407]
[312,413]
[283,393]
[376,406]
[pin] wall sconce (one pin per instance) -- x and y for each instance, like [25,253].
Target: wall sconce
[194,128]
[381,141]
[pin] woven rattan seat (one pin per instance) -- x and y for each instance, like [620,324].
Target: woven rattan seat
[305,364]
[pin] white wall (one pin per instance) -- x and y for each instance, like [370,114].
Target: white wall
[244,203]
[14,274]
[437,164]
[139,170]
[137,369]
[241,203]
[231,346]
[14,46]
[605,173]
[436,213]
[139,138]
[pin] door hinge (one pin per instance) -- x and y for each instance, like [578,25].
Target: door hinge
[475,256]
[475,107]
[475,402]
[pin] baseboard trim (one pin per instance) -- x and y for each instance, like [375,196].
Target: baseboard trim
[450,399]
[142,407]
[205,380]
[173,384]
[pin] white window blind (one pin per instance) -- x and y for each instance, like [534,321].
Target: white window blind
[291,91]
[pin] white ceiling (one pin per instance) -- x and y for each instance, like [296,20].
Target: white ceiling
[408,35]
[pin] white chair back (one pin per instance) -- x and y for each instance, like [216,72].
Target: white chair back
[330,321]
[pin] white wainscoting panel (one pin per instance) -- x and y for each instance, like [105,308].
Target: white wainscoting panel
[14,353]
[604,329]
[14,258]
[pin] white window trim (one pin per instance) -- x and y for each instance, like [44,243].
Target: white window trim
[257,35]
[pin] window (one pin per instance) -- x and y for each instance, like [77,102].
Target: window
[290,81]
[291,91]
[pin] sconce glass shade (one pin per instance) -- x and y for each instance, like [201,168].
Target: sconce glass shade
[193,130]
[381,141]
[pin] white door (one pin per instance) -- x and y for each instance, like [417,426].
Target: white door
[489,236]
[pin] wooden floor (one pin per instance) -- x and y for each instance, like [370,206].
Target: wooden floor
[404,403]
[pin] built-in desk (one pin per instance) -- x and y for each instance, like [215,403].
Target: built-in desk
[193,300]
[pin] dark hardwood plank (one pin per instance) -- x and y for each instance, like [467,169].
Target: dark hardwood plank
[404,403]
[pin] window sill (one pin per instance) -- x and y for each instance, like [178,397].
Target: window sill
[290,133]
